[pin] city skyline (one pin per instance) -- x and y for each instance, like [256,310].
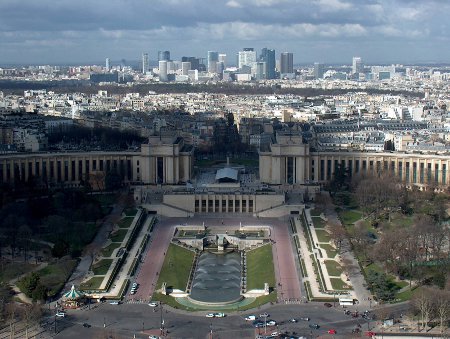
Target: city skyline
[325,31]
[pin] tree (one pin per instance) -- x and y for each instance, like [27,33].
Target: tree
[422,302]
[442,307]
[338,234]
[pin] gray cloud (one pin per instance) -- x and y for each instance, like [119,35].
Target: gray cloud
[47,29]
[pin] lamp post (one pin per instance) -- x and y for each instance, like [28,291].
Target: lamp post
[161,318]
[104,322]
[210,331]
[142,326]
[55,323]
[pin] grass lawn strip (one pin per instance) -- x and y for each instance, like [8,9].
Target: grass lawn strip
[333,268]
[102,267]
[176,268]
[338,284]
[349,217]
[92,284]
[119,235]
[125,222]
[12,270]
[323,236]
[260,268]
[108,250]
[331,251]
[319,222]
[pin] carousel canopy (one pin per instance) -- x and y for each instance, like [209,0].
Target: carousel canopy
[72,294]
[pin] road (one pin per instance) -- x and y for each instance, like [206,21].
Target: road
[127,320]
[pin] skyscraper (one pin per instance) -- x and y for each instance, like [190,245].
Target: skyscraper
[213,58]
[318,70]
[223,58]
[107,65]
[261,70]
[185,67]
[195,63]
[144,63]
[247,57]
[268,56]
[163,55]
[287,63]
[357,66]
[163,70]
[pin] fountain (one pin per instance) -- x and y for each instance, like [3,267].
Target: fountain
[217,279]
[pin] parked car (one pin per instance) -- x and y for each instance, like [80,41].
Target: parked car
[152,304]
[327,305]
[331,331]
[293,320]
[250,317]
[86,325]
[271,323]
[258,323]
[114,302]
[370,334]
[210,315]
[264,315]
[61,314]
[314,326]
[305,318]
[219,315]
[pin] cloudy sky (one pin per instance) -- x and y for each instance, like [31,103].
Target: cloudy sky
[330,31]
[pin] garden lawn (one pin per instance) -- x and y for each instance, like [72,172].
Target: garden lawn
[176,268]
[323,236]
[108,250]
[130,212]
[55,275]
[333,268]
[126,222]
[118,236]
[12,270]
[260,268]
[92,284]
[315,212]
[102,267]
[318,222]
[338,284]
[331,251]
[349,217]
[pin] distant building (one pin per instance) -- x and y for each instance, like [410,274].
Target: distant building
[163,71]
[107,64]
[213,58]
[223,59]
[144,63]
[318,70]
[357,66]
[247,57]
[185,67]
[268,56]
[287,63]
[163,55]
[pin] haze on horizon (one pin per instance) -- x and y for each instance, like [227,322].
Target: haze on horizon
[329,31]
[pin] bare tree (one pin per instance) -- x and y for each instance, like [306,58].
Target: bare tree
[338,234]
[442,307]
[423,302]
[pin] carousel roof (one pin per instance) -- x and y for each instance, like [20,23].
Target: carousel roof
[72,294]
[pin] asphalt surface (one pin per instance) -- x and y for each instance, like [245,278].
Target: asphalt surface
[129,320]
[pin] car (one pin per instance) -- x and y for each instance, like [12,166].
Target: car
[250,317]
[219,315]
[210,315]
[264,315]
[153,304]
[86,325]
[275,334]
[271,323]
[153,337]
[133,292]
[114,302]
[331,331]
[305,319]
[314,326]
[293,320]
[370,334]
[61,314]
[258,323]
[327,305]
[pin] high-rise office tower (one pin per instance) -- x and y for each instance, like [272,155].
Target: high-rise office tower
[185,67]
[144,63]
[318,70]
[163,55]
[107,65]
[247,57]
[268,56]
[287,63]
[163,70]
[357,66]
[223,59]
[195,63]
[213,58]
[261,70]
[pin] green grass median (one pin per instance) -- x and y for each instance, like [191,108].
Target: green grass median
[176,268]
[260,268]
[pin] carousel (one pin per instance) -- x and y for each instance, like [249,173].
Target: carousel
[73,298]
